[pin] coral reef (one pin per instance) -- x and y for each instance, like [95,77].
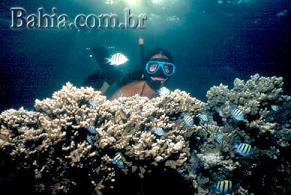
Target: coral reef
[79,139]
[52,140]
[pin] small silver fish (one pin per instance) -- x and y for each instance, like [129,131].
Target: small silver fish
[275,108]
[223,187]
[92,129]
[153,16]
[238,2]
[174,19]
[203,117]
[117,59]
[119,161]
[93,103]
[109,2]
[237,114]
[188,120]
[220,2]
[111,47]
[282,13]
[164,91]
[158,131]
[243,149]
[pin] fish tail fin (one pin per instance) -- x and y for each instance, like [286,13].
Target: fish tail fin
[213,187]
[108,61]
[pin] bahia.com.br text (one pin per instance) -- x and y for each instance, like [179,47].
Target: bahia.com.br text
[41,20]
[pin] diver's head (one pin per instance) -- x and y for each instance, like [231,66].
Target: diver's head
[159,67]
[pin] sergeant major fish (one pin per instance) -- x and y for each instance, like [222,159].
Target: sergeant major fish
[223,187]
[218,137]
[158,131]
[117,59]
[203,117]
[237,114]
[90,139]
[188,120]
[119,161]
[92,129]
[243,149]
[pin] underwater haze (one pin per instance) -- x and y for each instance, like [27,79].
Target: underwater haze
[215,119]
[212,42]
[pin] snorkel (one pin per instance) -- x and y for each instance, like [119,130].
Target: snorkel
[141,46]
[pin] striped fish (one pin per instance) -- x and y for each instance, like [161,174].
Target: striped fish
[237,114]
[90,139]
[164,91]
[119,161]
[117,59]
[203,117]
[223,187]
[243,149]
[188,120]
[218,138]
[158,131]
[92,129]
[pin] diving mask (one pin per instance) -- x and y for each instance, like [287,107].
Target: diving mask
[153,66]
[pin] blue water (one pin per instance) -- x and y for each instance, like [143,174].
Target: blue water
[212,43]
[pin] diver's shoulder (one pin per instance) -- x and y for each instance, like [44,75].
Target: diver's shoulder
[134,84]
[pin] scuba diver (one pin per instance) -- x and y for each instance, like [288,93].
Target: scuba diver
[157,67]
[152,75]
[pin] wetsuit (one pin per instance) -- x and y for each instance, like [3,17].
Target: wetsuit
[137,87]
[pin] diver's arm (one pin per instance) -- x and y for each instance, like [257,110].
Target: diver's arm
[94,80]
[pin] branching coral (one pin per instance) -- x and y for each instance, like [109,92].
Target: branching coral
[79,137]
[52,140]
[254,98]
